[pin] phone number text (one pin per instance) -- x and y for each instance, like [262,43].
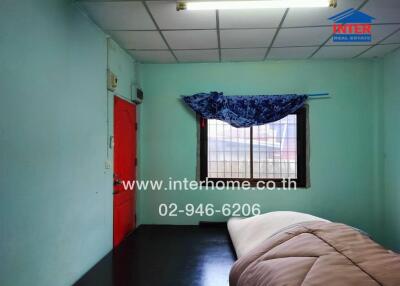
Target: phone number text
[230,210]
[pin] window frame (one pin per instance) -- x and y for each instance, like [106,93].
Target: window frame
[302,154]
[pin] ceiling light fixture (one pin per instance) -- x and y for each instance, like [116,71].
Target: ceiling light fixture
[234,5]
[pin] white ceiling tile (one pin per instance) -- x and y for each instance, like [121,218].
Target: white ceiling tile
[302,36]
[228,55]
[246,38]
[146,40]
[339,52]
[290,53]
[300,17]
[119,15]
[153,56]
[192,39]
[166,17]
[394,39]
[197,55]
[264,18]
[378,32]
[384,11]
[380,51]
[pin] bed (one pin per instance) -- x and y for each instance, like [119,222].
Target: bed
[290,248]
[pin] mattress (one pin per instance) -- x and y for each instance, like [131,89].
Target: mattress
[248,233]
[317,253]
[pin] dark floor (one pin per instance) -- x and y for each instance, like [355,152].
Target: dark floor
[167,255]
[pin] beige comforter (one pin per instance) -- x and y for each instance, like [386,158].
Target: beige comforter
[317,253]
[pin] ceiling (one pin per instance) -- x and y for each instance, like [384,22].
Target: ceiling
[153,31]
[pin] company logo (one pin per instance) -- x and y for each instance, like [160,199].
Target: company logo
[352,26]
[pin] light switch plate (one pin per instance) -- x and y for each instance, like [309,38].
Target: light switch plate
[108,164]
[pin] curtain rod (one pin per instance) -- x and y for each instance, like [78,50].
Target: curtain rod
[315,95]
[318,95]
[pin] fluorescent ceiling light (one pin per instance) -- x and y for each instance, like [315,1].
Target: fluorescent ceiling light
[223,5]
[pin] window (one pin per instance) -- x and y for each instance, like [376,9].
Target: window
[269,152]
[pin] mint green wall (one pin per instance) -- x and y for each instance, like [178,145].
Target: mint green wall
[121,64]
[55,193]
[343,131]
[391,139]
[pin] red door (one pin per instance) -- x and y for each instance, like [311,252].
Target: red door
[124,168]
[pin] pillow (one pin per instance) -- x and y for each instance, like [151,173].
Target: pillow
[247,233]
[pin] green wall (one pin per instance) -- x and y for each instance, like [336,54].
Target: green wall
[391,142]
[55,193]
[344,168]
[121,64]
[56,116]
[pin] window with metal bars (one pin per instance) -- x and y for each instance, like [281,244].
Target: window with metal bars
[270,152]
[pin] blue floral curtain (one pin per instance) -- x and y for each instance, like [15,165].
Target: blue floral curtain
[245,111]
